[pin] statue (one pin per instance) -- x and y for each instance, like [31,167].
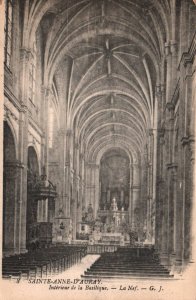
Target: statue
[114,206]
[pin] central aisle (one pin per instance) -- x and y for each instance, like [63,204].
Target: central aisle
[77,270]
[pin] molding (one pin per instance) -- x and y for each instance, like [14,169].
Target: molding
[175,96]
[15,164]
[53,164]
[170,106]
[171,166]
[188,57]
[8,113]
[8,76]
[187,140]
[35,126]
[12,98]
[135,187]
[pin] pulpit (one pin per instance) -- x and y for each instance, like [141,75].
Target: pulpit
[41,208]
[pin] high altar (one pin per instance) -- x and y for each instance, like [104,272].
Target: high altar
[109,229]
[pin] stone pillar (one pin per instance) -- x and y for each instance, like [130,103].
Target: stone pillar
[39,211]
[122,197]
[88,185]
[97,190]
[171,57]
[168,71]
[47,96]
[79,200]
[150,203]
[62,196]
[135,193]
[135,203]
[171,226]
[10,239]
[160,96]
[108,196]
[192,185]
[74,207]
[67,197]
[25,55]
[173,214]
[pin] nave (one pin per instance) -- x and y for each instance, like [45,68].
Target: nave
[99,136]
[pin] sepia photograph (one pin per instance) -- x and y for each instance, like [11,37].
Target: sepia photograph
[98,149]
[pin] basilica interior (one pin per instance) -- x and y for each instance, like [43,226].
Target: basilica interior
[99,133]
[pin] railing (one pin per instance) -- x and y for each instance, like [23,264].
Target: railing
[98,249]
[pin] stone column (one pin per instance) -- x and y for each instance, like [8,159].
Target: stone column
[79,200]
[10,239]
[97,191]
[173,214]
[62,196]
[160,96]
[88,185]
[108,196]
[150,203]
[25,55]
[67,196]
[74,207]
[47,96]
[171,219]
[135,191]
[168,71]
[192,186]
[122,197]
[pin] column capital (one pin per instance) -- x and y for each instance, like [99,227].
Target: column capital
[161,132]
[170,106]
[46,90]
[135,187]
[159,89]
[151,131]
[92,165]
[68,132]
[24,107]
[14,164]
[184,140]
[11,169]
[134,165]
[67,164]
[76,145]
[167,49]
[81,156]
[172,166]
[25,54]
[192,147]
[173,46]
[62,132]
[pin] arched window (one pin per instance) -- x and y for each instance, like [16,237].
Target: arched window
[8,31]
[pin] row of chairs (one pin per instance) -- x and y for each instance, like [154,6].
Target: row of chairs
[43,262]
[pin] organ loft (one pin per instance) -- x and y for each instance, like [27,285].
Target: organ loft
[99,131]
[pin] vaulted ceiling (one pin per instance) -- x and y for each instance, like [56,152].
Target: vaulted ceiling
[104,58]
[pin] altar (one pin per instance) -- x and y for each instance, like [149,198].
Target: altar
[113,219]
[112,238]
[109,226]
[99,238]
